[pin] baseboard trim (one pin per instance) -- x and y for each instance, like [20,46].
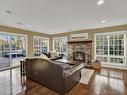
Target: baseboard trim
[114,67]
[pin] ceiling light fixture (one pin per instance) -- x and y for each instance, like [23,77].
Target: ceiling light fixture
[100,2]
[103,21]
[8,12]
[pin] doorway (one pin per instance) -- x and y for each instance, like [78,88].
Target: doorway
[12,49]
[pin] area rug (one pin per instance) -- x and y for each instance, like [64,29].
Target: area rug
[86,75]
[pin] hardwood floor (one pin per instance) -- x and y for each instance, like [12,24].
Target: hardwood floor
[104,82]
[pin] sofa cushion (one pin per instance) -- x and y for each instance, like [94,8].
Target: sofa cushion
[61,65]
[65,66]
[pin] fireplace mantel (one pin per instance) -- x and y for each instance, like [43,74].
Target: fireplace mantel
[80,41]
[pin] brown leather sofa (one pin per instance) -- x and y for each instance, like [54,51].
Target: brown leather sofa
[56,76]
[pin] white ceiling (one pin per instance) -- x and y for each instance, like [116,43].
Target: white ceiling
[58,16]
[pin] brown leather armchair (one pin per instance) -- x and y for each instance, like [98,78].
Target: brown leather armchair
[51,74]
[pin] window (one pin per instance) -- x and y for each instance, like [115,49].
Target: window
[110,47]
[60,45]
[13,48]
[102,45]
[40,44]
[117,45]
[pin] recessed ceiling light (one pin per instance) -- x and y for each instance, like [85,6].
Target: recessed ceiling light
[28,25]
[100,2]
[19,23]
[103,21]
[8,12]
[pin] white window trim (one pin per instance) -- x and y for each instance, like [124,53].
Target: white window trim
[40,38]
[125,50]
[59,38]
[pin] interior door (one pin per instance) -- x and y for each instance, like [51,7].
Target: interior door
[18,49]
[4,51]
[12,50]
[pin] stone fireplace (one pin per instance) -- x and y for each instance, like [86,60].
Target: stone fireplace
[80,50]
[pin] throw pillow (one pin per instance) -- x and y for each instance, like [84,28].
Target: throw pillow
[53,54]
[43,56]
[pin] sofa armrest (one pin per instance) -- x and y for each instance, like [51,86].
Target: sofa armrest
[69,72]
